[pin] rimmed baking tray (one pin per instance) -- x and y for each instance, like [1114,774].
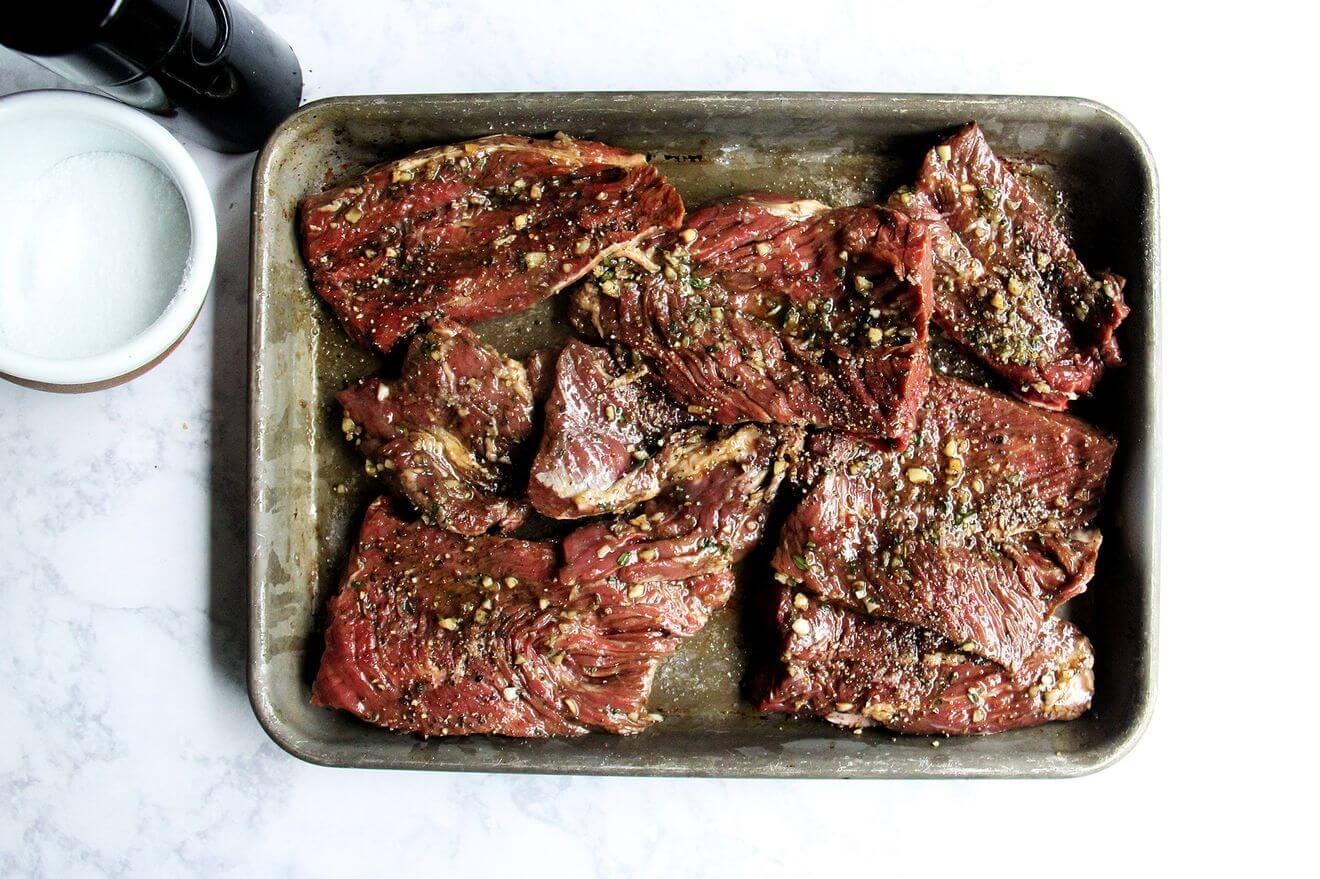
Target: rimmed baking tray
[308,489]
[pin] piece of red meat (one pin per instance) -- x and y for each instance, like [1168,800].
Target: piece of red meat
[1008,284]
[475,230]
[977,531]
[683,543]
[439,634]
[603,446]
[540,366]
[1056,682]
[779,311]
[446,433]
[710,519]
[856,670]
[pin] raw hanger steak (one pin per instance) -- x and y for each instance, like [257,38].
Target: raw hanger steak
[777,310]
[475,230]
[1008,284]
[445,433]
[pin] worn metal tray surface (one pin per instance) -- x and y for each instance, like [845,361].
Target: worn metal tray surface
[308,488]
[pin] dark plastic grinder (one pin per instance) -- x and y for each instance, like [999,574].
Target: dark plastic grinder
[216,73]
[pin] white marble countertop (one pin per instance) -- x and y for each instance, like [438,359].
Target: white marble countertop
[127,745]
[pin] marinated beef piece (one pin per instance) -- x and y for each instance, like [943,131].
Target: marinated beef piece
[976,531]
[1007,282]
[601,448]
[475,230]
[708,520]
[446,433]
[855,670]
[774,310]
[1055,682]
[540,366]
[674,556]
[439,634]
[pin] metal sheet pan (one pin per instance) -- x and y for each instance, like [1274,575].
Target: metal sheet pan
[307,489]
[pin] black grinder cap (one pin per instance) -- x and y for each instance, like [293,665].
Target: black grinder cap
[213,68]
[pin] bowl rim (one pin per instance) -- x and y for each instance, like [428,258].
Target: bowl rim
[172,323]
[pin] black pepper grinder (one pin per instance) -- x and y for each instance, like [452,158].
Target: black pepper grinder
[217,74]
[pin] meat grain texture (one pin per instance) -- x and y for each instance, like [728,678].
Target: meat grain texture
[603,447]
[445,434]
[439,634]
[780,311]
[711,518]
[857,670]
[1007,283]
[475,230]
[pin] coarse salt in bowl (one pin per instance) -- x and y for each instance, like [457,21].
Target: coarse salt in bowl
[107,241]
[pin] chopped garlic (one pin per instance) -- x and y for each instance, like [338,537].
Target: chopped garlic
[918,475]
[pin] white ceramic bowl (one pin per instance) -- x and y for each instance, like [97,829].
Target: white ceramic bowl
[39,129]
